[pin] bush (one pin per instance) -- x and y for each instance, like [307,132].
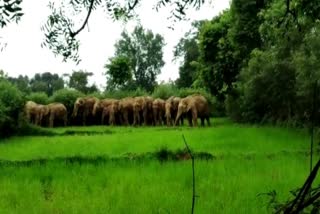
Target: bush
[268,88]
[11,106]
[66,97]
[233,106]
[164,91]
[119,94]
[38,97]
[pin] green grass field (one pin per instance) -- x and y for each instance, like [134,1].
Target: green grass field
[247,161]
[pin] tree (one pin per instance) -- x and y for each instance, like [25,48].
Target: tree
[46,82]
[187,49]
[79,81]
[143,49]
[218,65]
[244,31]
[22,83]
[60,32]
[119,73]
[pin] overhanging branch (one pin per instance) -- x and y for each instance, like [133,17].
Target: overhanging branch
[73,34]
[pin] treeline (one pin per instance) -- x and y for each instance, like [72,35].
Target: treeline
[259,58]
[12,101]
[47,82]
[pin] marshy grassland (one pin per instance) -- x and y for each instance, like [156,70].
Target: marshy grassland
[101,169]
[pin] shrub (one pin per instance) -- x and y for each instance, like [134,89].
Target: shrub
[119,94]
[233,104]
[66,97]
[11,106]
[164,91]
[266,98]
[38,97]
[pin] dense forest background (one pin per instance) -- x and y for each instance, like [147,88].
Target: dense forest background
[257,61]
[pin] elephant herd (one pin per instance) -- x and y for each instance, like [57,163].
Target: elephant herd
[142,110]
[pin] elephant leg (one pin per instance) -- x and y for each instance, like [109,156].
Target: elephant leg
[195,118]
[136,118]
[65,120]
[155,116]
[125,118]
[208,121]
[190,121]
[202,121]
[111,120]
[51,120]
[36,120]
[181,121]
[84,117]
[102,118]
[168,118]
[145,117]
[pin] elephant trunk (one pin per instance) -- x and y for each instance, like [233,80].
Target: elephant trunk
[95,109]
[75,111]
[178,117]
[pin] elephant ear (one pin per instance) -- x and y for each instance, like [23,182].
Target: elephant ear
[81,101]
[189,107]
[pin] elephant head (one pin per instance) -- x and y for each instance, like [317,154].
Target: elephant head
[183,108]
[158,111]
[57,111]
[40,112]
[30,111]
[96,107]
[79,103]
[84,106]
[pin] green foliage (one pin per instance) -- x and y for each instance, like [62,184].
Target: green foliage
[10,11]
[143,49]
[46,82]
[79,81]
[218,64]
[38,97]
[61,33]
[187,49]
[266,97]
[278,84]
[119,73]
[164,91]
[11,105]
[66,97]
[119,94]
[22,83]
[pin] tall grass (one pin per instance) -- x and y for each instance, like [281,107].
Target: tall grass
[223,186]
[248,161]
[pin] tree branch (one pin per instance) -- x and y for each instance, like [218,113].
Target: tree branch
[299,200]
[193,176]
[73,34]
[131,7]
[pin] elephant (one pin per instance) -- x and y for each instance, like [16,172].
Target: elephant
[126,110]
[194,106]
[112,112]
[42,112]
[158,111]
[57,111]
[35,112]
[110,108]
[171,109]
[99,105]
[84,106]
[30,111]
[142,110]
